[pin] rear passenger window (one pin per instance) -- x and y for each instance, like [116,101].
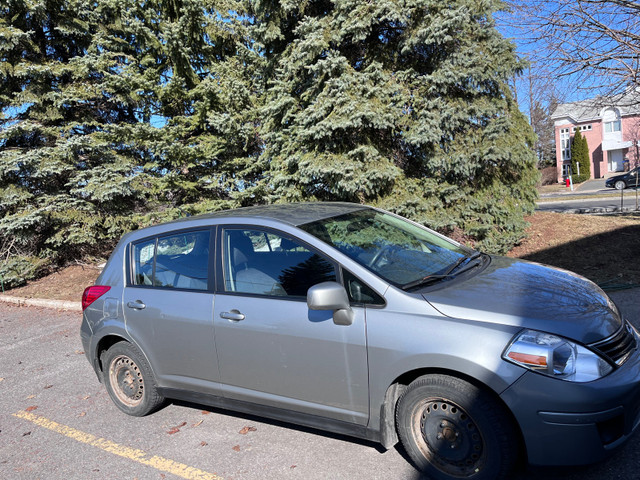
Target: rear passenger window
[174,261]
[266,263]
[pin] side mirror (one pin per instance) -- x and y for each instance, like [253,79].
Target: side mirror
[331,296]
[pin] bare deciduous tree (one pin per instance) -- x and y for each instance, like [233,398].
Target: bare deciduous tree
[597,42]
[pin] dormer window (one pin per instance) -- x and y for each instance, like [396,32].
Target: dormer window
[611,120]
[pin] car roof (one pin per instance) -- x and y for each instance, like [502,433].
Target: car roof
[291,213]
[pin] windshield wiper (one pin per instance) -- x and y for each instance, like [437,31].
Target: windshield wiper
[448,273]
[469,265]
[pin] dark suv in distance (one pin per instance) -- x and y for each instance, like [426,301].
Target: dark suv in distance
[627,180]
[354,320]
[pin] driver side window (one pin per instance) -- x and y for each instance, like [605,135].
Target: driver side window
[266,263]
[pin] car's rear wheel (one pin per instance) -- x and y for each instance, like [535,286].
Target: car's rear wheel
[129,380]
[620,185]
[452,429]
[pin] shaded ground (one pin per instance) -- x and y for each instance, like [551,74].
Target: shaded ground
[602,248]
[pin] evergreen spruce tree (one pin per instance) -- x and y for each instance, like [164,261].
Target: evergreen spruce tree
[403,105]
[117,114]
[580,156]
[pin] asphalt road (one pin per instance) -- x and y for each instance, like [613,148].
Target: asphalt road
[610,203]
[57,422]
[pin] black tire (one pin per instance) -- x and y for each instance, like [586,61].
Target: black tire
[620,185]
[129,381]
[452,429]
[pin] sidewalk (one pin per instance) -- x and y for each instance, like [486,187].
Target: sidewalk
[590,187]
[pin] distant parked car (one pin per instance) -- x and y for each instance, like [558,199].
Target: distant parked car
[626,180]
[350,319]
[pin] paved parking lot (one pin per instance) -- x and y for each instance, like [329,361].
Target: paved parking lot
[56,421]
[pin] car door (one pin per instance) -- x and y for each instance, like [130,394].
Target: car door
[272,349]
[168,304]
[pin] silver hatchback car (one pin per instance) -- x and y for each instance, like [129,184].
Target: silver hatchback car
[351,319]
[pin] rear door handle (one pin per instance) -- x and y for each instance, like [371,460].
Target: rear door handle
[234,315]
[137,305]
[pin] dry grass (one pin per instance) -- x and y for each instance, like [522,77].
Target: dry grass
[67,284]
[601,248]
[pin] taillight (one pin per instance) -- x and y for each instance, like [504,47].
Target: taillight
[92,293]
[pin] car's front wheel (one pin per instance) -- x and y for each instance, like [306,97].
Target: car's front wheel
[129,380]
[452,429]
[620,185]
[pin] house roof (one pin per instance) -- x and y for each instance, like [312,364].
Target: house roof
[628,103]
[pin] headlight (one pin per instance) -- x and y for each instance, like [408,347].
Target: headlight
[556,357]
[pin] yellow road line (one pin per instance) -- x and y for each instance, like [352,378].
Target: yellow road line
[140,456]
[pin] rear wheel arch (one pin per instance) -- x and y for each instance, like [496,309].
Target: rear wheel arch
[103,345]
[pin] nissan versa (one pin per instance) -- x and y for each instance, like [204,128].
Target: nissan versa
[351,319]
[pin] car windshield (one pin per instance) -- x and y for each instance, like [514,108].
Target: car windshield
[402,253]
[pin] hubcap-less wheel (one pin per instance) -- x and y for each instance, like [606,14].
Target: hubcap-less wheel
[452,440]
[127,380]
[454,430]
[620,185]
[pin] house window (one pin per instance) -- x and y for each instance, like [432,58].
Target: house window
[582,128]
[614,126]
[565,142]
[565,169]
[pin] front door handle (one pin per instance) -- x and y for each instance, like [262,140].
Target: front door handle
[137,305]
[234,315]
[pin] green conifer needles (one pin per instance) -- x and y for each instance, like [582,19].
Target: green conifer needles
[118,113]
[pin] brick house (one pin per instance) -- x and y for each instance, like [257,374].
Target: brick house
[611,126]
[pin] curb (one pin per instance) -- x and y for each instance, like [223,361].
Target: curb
[591,210]
[40,302]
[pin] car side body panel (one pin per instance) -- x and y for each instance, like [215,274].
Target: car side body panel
[276,357]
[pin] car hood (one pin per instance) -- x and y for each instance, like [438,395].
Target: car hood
[530,295]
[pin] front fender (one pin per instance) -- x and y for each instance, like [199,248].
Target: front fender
[403,346]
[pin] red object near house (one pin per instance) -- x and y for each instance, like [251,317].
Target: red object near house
[568,183]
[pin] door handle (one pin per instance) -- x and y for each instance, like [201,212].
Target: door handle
[234,315]
[137,305]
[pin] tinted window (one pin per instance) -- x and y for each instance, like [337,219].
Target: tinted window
[392,247]
[181,261]
[266,263]
[360,292]
[143,262]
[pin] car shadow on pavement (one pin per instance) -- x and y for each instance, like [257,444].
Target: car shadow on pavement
[279,423]
[621,465]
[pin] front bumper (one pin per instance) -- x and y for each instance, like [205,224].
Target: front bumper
[566,423]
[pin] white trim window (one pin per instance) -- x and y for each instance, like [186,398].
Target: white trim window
[582,128]
[614,126]
[612,120]
[565,144]
[565,170]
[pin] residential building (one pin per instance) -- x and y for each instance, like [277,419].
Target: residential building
[611,126]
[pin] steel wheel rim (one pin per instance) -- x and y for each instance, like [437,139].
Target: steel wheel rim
[126,380]
[449,438]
